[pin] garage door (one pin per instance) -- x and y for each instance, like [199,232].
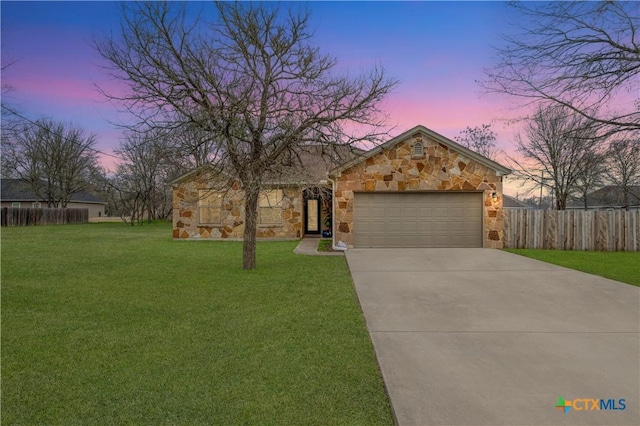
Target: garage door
[442,219]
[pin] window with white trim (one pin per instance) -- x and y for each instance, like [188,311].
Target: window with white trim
[209,207]
[15,205]
[36,205]
[270,207]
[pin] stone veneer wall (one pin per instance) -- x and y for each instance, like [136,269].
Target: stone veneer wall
[440,169]
[185,213]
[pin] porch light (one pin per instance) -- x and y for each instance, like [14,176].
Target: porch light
[494,196]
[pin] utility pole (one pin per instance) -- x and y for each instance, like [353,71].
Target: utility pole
[541,185]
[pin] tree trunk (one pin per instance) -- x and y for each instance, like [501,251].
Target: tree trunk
[250,227]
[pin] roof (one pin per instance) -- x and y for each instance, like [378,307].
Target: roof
[500,169]
[19,190]
[509,202]
[308,165]
[609,196]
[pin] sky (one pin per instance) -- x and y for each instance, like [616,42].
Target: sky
[437,50]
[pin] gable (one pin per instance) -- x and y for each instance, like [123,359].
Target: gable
[433,144]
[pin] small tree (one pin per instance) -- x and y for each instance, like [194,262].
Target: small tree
[591,174]
[623,168]
[53,158]
[139,185]
[479,139]
[251,79]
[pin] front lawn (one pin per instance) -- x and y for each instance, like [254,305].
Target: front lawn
[111,324]
[620,266]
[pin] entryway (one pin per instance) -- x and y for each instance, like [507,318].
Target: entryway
[317,208]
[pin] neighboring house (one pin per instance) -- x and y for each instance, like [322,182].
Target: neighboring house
[419,189]
[17,193]
[609,198]
[511,203]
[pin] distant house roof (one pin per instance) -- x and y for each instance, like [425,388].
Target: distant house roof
[610,196]
[509,202]
[19,190]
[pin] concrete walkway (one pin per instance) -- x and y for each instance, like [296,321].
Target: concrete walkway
[485,337]
[309,246]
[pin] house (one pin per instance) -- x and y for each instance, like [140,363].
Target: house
[511,203]
[610,197]
[418,189]
[16,193]
[295,202]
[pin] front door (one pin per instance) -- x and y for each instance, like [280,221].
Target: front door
[312,213]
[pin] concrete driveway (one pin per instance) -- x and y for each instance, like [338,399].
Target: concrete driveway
[485,337]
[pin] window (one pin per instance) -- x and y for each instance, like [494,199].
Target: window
[36,205]
[15,205]
[209,207]
[270,207]
[418,149]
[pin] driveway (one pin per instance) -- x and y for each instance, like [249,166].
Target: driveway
[485,337]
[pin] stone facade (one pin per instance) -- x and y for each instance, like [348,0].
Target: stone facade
[186,224]
[397,168]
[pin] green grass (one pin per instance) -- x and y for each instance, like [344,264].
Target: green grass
[111,324]
[620,266]
[324,245]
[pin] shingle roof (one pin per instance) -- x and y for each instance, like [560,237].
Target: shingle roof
[610,196]
[18,190]
[309,165]
[512,203]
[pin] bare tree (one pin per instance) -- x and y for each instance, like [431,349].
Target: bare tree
[479,139]
[623,167]
[590,175]
[193,145]
[139,185]
[580,55]
[556,150]
[251,79]
[53,158]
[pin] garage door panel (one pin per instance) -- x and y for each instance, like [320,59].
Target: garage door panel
[401,240]
[394,226]
[424,226]
[418,219]
[409,226]
[454,227]
[472,226]
[377,225]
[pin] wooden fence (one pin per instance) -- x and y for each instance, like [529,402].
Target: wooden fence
[29,216]
[572,230]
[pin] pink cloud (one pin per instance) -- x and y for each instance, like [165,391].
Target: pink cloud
[67,91]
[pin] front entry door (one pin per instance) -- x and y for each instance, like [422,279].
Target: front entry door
[312,222]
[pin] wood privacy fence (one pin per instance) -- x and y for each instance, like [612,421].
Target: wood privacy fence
[572,230]
[29,217]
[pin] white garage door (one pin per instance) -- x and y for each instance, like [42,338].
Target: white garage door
[434,219]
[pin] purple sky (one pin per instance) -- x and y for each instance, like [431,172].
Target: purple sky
[436,49]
